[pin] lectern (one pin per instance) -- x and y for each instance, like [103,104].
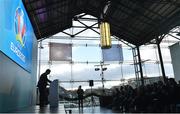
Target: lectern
[54,94]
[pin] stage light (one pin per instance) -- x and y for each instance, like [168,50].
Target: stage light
[96,69]
[104,69]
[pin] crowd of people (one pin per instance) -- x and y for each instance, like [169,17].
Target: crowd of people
[156,97]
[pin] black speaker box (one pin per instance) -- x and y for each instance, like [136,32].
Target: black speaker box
[91,83]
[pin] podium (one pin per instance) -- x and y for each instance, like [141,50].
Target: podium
[54,94]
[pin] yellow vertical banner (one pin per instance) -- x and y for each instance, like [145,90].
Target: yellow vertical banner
[105,35]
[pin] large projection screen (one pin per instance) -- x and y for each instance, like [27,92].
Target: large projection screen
[175,56]
[114,53]
[16,33]
[60,52]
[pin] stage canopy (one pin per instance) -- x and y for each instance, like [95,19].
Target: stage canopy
[135,21]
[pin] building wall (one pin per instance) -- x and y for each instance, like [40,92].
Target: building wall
[175,55]
[17,86]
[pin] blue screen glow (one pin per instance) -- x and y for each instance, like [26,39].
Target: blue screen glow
[16,33]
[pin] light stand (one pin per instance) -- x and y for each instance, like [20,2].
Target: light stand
[102,72]
[91,83]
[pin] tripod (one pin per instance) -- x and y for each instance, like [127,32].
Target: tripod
[93,103]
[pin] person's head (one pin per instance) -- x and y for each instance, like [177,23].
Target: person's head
[117,90]
[48,71]
[80,87]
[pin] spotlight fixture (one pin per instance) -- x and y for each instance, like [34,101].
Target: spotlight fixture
[104,69]
[96,69]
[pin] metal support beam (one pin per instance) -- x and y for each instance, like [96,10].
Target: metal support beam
[84,27]
[140,66]
[128,44]
[136,68]
[86,19]
[67,33]
[89,27]
[173,36]
[161,62]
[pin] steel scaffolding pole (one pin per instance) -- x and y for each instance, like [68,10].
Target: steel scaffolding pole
[140,66]
[161,62]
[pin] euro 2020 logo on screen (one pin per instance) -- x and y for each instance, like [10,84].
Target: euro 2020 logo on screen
[20,26]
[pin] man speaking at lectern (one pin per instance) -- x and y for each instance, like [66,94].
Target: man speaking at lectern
[42,83]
